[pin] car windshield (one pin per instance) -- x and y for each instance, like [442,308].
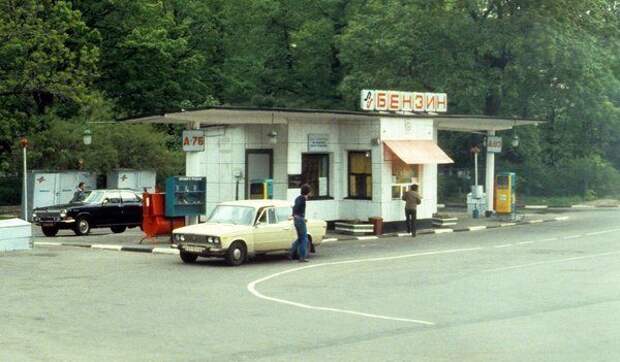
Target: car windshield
[230,214]
[93,197]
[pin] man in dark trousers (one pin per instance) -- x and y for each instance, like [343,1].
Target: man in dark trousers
[299,220]
[412,200]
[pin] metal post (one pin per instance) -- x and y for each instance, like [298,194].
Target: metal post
[25,197]
[476,168]
[490,175]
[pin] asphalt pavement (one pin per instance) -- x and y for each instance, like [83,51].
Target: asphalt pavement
[544,292]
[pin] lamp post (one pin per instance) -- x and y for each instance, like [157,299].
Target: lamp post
[87,137]
[23,142]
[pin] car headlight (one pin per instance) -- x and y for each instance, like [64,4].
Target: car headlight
[210,239]
[34,215]
[216,240]
[63,213]
[179,237]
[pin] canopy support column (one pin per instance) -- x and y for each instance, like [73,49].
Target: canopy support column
[490,175]
[192,168]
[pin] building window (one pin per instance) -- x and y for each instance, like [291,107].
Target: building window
[315,172]
[403,176]
[360,175]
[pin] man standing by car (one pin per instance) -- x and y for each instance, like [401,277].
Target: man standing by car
[299,219]
[78,195]
[412,200]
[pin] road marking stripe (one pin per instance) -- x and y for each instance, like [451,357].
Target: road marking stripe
[166,251]
[476,228]
[561,218]
[400,235]
[252,285]
[106,247]
[571,237]
[367,237]
[602,232]
[502,246]
[552,261]
[535,221]
[329,240]
[46,243]
[504,224]
[524,242]
[442,231]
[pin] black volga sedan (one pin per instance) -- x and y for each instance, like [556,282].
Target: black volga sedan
[116,209]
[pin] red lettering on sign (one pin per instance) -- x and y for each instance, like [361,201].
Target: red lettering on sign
[381,100]
[418,104]
[393,101]
[185,141]
[407,101]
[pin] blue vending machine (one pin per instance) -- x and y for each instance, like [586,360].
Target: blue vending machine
[186,196]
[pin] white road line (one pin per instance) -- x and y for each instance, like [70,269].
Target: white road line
[502,246]
[552,261]
[165,251]
[443,231]
[537,221]
[549,239]
[602,232]
[400,235]
[367,237]
[46,243]
[252,285]
[106,247]
[329,240]
[504,224]
[571,237]
[524,242]
[561,218]
[476,228]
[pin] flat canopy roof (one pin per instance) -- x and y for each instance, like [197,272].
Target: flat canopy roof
[224,115]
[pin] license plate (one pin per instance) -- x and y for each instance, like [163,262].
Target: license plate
[46,224]
[194,249]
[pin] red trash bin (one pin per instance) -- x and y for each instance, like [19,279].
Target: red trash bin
[377,225]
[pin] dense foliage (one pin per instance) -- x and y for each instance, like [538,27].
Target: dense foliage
[65,63]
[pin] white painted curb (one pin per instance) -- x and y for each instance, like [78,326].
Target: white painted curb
[107,247]
[535,221]
[443,231]
[46,243]
[536,206]
[169,251]
[476,228]
[367,237]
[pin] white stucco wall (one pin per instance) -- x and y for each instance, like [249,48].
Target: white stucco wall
[225,155]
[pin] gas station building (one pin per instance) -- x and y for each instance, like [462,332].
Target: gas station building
[358,163]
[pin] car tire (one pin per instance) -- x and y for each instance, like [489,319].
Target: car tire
[118,229]
[236,254]
[188,258]
[49,231]
[82,226]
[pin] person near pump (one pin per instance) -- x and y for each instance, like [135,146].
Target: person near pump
[412,200]
[300,245]
[79,193]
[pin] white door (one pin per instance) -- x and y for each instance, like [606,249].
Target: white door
[66,186]
[258,166]
[44,189]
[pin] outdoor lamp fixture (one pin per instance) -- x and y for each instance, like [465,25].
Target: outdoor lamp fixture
[515,138]
[273,135]
[87,137]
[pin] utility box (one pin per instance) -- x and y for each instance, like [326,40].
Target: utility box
[261,189]
[136,180]
[154,220]
[47,188]
[476,201]
[15,234]
[505,193]
[186,196]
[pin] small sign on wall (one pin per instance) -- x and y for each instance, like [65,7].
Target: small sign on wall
[494,144]
[193,140]
[318,142]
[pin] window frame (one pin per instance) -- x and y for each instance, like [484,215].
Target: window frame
[349,174]
[314,195]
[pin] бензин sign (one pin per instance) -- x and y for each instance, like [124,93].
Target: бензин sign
[396,101]
[193,141]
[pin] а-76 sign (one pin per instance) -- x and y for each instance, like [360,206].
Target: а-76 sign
[193,141]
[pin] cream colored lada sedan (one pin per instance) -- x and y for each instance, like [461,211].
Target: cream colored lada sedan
[237,230]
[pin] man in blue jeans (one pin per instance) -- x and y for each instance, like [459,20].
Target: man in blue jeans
[299,220]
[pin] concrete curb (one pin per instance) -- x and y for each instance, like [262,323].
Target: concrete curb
[131,248]
[171,251]
[534,207]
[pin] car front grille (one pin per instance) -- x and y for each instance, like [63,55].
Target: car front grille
[48,216]
[190,238]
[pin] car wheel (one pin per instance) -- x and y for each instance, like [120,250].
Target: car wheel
[236,254]
[82,226]
[49,230]
[118,229]
[187,258]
